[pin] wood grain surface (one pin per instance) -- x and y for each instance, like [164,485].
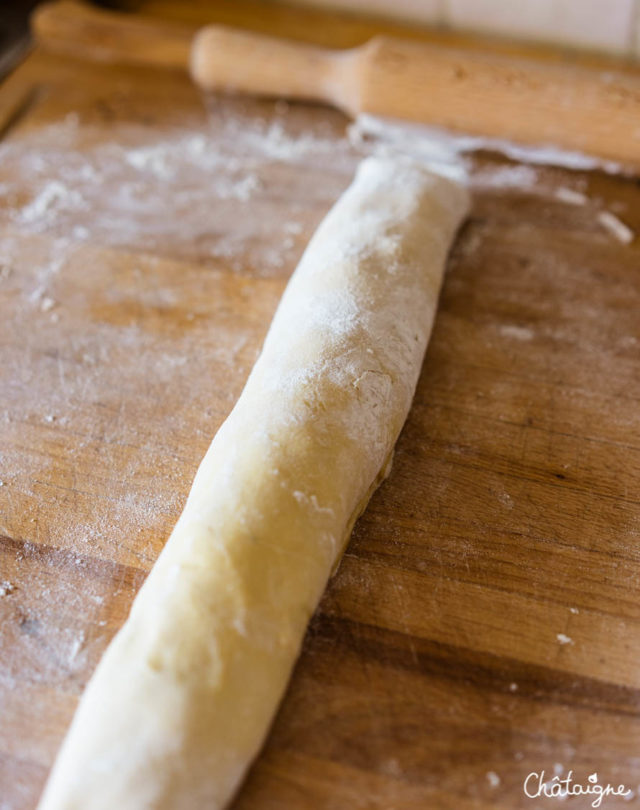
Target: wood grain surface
[485,621]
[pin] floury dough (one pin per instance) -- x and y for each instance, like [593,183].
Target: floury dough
[182,700]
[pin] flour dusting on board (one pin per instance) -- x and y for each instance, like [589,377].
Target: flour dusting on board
[200,195]
[447,147]
[109,386]
[208,194]
[616,227]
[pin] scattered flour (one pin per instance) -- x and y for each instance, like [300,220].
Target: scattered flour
[616,227]
[522,333]
[205,196]
[519,176]
[564,639]
[208,195]
[53,197]
[570,196]
[448,149]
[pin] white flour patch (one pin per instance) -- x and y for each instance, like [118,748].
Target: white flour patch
[522,333]
[205,196]
[501,177]
[616,227]
[570,196]
[448,148]
[52,198]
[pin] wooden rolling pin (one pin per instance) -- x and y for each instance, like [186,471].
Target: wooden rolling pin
[528,101]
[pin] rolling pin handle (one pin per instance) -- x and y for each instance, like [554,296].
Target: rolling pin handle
[256,64]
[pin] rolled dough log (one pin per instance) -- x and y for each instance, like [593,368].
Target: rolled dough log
[183,698]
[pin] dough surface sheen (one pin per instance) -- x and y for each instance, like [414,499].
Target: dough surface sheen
[184,696]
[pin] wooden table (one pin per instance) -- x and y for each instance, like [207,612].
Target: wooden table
[485,621]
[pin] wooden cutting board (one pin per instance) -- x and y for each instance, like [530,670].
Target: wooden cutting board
[485,621]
